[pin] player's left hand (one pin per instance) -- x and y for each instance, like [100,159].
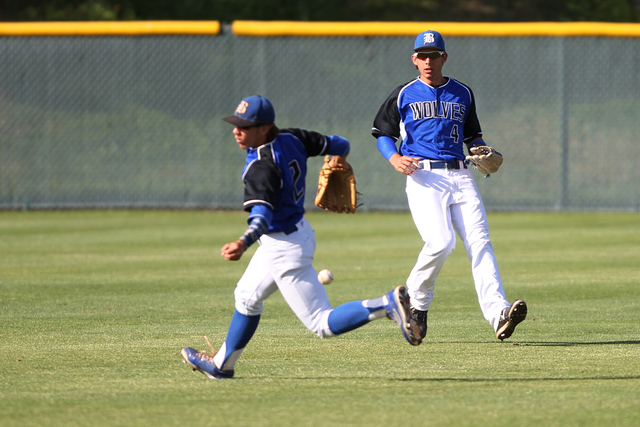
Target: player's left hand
[233,251]
[338,162]
[485,159]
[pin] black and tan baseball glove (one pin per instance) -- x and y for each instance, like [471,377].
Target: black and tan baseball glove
[337,187]
[485,159]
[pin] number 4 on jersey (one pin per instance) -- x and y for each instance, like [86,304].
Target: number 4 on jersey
[455,134]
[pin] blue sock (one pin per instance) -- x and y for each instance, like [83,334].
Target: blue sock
[352,315]
[241,330]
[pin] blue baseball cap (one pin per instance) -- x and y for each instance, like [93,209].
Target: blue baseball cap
[429,39]
[252,111]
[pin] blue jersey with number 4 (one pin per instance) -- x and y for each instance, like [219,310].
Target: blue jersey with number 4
[431,122]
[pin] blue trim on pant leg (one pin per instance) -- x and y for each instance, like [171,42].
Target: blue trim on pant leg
[348,316]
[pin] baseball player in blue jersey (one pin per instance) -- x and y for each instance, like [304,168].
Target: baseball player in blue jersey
[434,117]
[274,189]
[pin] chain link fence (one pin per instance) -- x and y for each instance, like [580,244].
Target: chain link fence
[92,122]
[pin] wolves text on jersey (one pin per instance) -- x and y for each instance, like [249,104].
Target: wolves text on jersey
[430,110]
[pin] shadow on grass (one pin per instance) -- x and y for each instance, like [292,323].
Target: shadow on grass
[538,343]
[480,380]
[451,379]
[571,344]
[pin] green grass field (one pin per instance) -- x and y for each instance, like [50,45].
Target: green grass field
[95,306]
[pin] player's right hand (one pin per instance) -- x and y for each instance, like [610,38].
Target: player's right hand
[405,164]
[233,251]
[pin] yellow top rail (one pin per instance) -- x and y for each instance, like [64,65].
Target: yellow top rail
[468,29]
[109,28]
[321,29]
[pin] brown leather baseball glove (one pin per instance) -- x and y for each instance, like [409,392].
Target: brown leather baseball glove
[336,187]
[485,159]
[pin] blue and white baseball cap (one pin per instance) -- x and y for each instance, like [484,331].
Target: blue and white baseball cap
[429,38]
[252,111]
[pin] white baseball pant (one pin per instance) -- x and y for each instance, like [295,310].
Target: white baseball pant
[444,202]
[284,262]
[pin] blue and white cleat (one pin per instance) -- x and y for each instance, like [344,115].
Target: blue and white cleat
[399,310]
[204,363]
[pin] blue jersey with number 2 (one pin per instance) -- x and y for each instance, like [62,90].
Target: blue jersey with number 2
[274,173]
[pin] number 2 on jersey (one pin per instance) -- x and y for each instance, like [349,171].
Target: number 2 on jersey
[297,173]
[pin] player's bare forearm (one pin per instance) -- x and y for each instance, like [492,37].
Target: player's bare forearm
[233,251]
[404,164]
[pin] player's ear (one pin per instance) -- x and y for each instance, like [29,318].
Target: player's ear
[272,132]
[266,132]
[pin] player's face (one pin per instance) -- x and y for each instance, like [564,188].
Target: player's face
[251,137]
[429,62]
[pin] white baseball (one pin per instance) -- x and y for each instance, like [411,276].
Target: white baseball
[325,276]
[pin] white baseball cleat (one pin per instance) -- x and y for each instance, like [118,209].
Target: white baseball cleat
[399,310]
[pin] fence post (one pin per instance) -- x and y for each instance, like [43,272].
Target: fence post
[564,130]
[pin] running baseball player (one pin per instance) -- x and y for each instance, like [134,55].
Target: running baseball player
[433,117]
[274,189]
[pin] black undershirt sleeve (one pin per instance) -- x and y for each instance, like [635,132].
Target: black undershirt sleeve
[315,143]
[262,182]
[387,121]
[472,128]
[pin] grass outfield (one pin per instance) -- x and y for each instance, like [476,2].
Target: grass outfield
[95,306]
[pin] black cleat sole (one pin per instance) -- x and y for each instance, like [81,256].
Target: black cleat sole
[517,313]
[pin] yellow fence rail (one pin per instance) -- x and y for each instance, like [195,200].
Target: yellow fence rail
[109,28]
[321,29]
[485,29]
